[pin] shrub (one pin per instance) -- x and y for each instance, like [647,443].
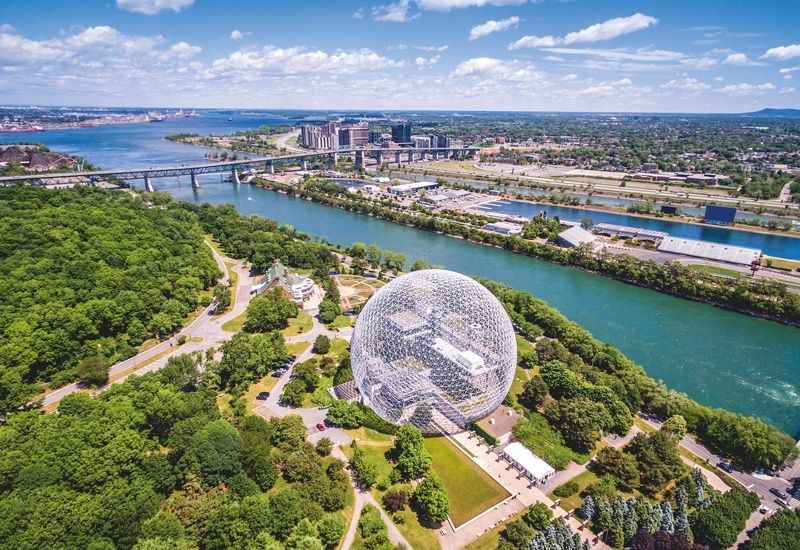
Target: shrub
[566,490]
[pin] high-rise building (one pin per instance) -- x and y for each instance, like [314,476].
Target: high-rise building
[375,137]
[355,135]
[401,133]
[325,136]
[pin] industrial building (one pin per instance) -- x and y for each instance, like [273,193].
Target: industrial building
[710,251]
[627,231]
[412,187]
[575,236]
[504,228]
[720,215]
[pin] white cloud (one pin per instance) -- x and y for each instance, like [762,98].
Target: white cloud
[491,26]
[238,35]
[569,77]
[690,84]
[746,89]
[153,7]
[427,61]
[5,27]
[699,62]
[782,53]
[739,59]
[787,90]
[622,54]
[611,28]
[248,64]
[787,70]
[394,13]
[358,14]
[533,41]
[183,50]
[432,48]
[498,69]
[447,5]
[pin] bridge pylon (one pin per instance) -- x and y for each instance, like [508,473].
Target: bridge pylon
[148,185]
[195,181]
[235,176]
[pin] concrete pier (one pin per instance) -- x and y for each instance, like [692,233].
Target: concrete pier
[398,158]
[235,176]
[271,168]
[379,158]
[359,160]
[148,185]
[333,160]
[410,157]
[195,182]
[304,165]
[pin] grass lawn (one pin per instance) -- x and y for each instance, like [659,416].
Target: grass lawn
[471,490]
[341,321]
[368,436]
[583,480]
[714,270]
[296,348]
[320,397]
[520,377]
[780,263]
[491,539]
[298,325]
[235,324]
[523,346]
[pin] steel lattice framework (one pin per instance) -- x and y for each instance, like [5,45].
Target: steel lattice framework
[434,348]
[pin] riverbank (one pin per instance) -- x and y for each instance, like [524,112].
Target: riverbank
[530,182]
[767,300]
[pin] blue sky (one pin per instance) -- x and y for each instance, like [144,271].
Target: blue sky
[580,55]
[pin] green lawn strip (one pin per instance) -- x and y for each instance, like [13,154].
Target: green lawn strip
[296,348]
[235,324]
[523,346]
[298,325]
[714,270]
[471,490]
[265,384]
[341,321]
[574,501]
[520,377]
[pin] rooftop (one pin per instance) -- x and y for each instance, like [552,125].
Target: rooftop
[500,422]
[529,462]
[709,250]
[576,236]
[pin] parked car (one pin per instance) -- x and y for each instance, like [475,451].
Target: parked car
[782,502]
[764,510]
[725,466]
[321,426]
[262,396]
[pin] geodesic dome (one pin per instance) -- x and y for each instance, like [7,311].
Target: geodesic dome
[434,348]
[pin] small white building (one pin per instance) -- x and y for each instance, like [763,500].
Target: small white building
[531,466]
[413,187]
[504,228]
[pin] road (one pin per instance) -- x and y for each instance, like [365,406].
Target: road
[205,326]
[759,484]
[282,142]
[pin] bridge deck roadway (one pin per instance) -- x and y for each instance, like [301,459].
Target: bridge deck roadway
[217,167]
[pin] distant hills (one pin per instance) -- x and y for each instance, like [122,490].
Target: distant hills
[775,113]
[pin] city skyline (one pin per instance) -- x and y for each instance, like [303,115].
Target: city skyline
[491,55]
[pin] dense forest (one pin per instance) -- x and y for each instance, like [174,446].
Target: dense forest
[88,275]
[151,464]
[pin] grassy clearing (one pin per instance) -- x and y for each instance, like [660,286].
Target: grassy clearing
[574,501]
[642,425]
[296,348]
[235,324]
[298,325]
[714,270]
[368,436]
[320,397]
[780,263]
[471,490]
[520,377]
[341,321]
[147,344]
[523,346]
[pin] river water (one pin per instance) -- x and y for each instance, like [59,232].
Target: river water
[720,358]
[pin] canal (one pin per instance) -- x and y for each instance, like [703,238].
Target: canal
[717,357]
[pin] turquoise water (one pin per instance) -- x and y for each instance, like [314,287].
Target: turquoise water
[720,358]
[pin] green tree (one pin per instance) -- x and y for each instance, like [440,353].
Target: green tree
[328,311]
[580,420]
[222,297]
[330,529]
[270,311]
[518,534]
[538,516]
[322,344]
[93,371]
[534,393]
[248,357]
[432,499]
[675,426]
[410,456]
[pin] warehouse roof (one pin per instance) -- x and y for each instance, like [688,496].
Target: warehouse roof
[709,250]
[576,236]
[528,461]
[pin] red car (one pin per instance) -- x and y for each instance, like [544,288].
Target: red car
[321,427]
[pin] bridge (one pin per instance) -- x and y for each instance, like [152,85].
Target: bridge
[235,166]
